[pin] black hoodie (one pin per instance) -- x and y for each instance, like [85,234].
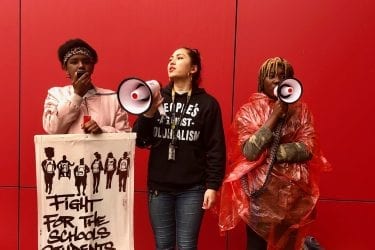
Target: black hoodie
[200,153]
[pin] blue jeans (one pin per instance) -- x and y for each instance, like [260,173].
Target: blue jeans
[176,216]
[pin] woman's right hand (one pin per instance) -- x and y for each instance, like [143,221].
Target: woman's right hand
[81,84]
[157,100]
[280,109]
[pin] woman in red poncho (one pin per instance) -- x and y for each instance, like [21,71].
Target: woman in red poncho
[274,162]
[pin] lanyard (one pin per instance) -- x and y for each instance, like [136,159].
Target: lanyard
[175,123]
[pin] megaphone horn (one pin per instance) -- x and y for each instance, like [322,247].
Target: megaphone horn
[289,91]
[135,95]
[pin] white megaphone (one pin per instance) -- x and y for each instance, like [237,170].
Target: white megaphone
[135,95]
[289,90]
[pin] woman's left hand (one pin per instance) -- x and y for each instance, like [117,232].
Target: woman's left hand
[209,198]
[91,127]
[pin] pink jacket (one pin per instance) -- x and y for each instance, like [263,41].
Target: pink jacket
[64,111]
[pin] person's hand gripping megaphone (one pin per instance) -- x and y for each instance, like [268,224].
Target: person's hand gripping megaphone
[157,102]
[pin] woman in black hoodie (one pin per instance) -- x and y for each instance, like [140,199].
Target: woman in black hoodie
[187,153]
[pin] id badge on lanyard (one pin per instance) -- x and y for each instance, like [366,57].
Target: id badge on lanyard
[171,152]
[174,126]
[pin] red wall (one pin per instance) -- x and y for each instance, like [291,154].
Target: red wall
[330,44]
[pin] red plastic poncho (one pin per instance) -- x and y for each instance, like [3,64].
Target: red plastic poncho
[287,205]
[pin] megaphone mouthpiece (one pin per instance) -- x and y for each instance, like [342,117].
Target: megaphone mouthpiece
[134,96]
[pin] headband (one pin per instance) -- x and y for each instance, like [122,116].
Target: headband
[77,51]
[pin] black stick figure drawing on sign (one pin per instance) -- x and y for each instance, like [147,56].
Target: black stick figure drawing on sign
[49,167]
[80,173]
[109,169]
[96,168]
[64,167]
[123,171]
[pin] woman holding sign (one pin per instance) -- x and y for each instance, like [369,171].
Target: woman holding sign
[81,107]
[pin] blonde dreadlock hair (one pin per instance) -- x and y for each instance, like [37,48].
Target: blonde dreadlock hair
[271,65]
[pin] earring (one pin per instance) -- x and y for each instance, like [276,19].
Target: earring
[190,76]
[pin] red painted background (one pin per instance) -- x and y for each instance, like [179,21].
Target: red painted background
[330,44]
